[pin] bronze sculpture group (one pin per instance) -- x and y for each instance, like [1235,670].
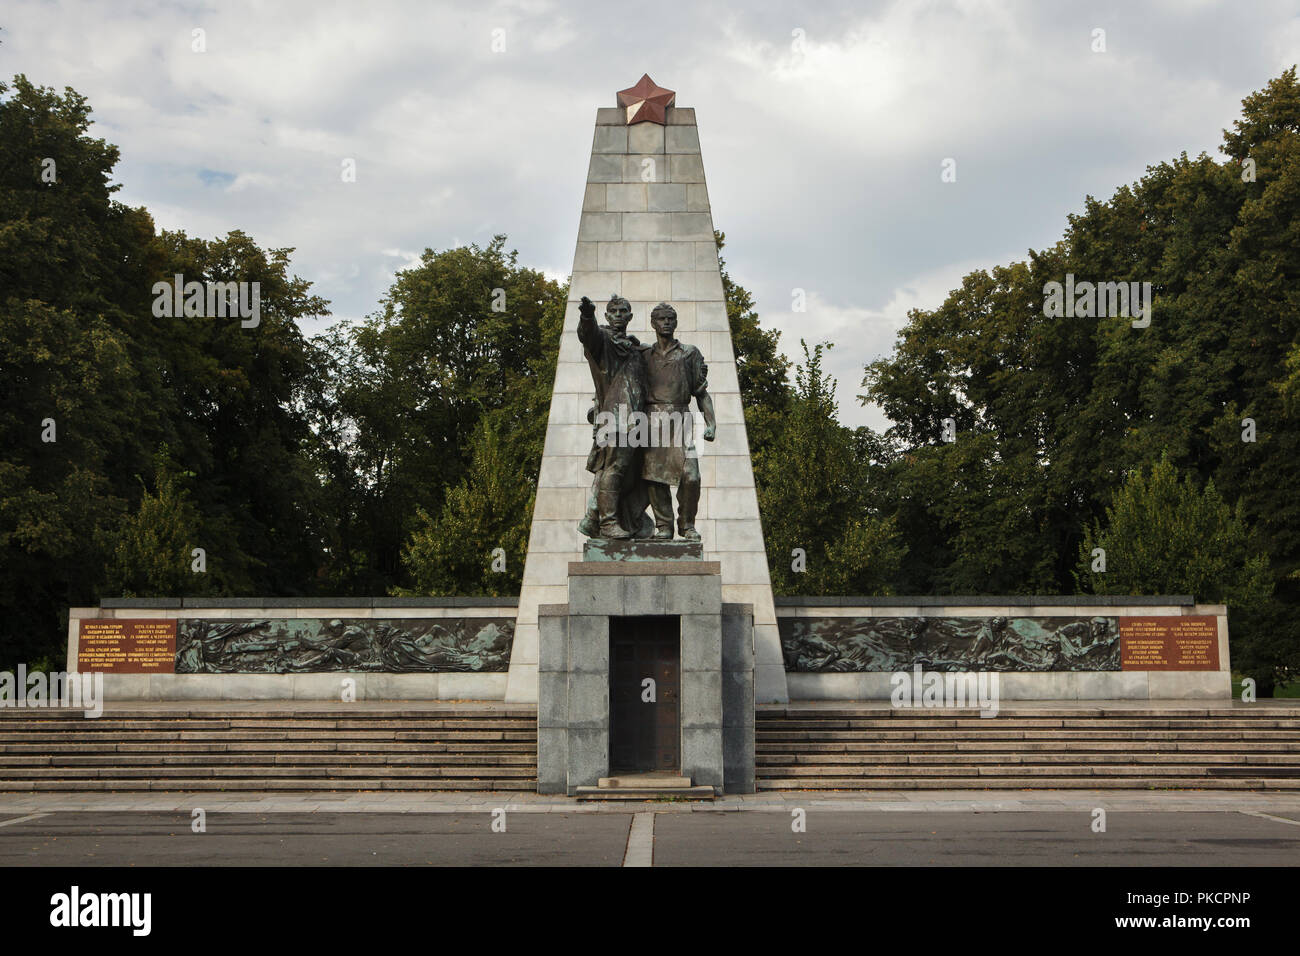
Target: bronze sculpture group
[642,425]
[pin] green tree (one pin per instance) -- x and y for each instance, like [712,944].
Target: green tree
[810,494]
[234,401]
[489,509]
[151,550]
[1163,535]
[73,266]
[864,559]
[492,506]
[64,241]
[970,390]
[466,332]
[762,370]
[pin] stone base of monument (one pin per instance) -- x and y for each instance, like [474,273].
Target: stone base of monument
[642,549]
[645,670]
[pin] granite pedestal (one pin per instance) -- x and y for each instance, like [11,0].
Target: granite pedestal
[716,716]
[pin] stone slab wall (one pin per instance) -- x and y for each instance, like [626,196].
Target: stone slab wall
[317,686]
[1051,685]
[738,697]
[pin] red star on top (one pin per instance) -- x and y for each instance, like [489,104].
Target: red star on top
[647,102]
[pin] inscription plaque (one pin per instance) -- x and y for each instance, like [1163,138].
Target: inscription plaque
[1188,643]
[120,646]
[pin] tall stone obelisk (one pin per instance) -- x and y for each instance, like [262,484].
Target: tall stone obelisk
[646,233]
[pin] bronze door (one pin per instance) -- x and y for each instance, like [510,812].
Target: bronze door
[644,731]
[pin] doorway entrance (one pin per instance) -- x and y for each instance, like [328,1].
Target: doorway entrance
[645,694]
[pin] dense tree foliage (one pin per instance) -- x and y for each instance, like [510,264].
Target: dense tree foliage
[821,533]
[1162,535]
[457,364]
[476,545]
[96,388]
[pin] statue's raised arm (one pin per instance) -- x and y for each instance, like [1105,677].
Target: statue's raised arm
[588,331]
[619,499]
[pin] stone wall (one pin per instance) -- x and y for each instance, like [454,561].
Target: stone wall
[297,686]
[1108,684]
[1053,685]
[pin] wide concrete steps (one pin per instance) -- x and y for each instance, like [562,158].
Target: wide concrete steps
[876,748]
[217,748]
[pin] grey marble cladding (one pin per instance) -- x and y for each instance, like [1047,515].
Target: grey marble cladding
[716,673]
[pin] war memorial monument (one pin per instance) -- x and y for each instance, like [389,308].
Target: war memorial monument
[645,636]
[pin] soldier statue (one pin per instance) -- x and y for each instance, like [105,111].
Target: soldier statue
[618,501]
[675,373]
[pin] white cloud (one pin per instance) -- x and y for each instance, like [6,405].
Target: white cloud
[861,334]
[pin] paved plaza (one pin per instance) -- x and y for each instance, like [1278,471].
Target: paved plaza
[1043,828]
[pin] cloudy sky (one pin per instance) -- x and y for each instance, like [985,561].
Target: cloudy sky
[824,127]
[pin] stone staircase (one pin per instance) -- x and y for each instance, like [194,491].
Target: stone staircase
[316,745]
[876,747]
[312,746]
